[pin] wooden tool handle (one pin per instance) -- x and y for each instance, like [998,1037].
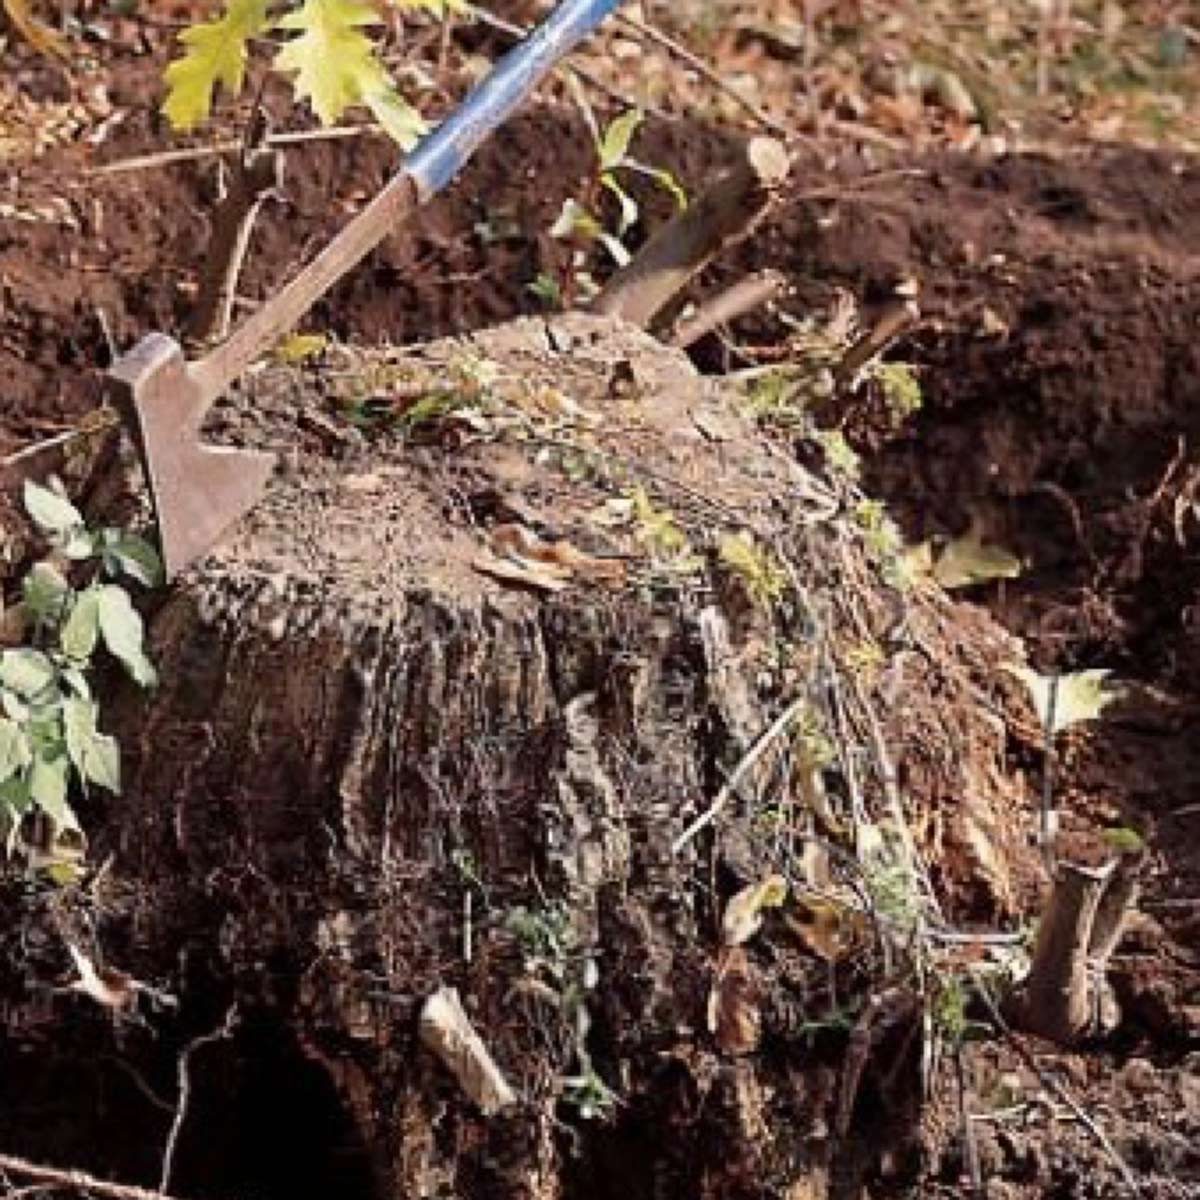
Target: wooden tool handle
[426,172]
[258,333]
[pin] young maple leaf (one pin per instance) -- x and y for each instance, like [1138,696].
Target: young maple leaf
[335,66]
[216,53]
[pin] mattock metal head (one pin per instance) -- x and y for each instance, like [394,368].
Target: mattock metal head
[198,491]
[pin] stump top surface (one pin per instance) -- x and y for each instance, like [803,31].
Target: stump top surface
[398,466]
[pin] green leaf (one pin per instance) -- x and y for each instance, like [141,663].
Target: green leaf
[967,561]
[76,680]
[128,554]
[77,638]
[27,672]
[215,52]
[574,220]
[102,762]
[14,795]
[403,124]
[43,591]
[663,178]
[629,208]
[79,727]
[80,544]
[15,754]
[1078,697]
[614,145]
[123,633]
[52,513]
[48,788]
[335,66]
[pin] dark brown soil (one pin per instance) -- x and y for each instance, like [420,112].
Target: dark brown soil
[1061,375]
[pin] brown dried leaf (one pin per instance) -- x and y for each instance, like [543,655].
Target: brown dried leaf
[743,913]
[43,39]
[828,929]
[733,1012]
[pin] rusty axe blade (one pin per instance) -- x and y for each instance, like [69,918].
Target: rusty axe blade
[199,491]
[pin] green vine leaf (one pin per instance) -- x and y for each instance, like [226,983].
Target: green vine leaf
[335,66]
[80,631]
[52,513]
[123,633]
[614,144]
[26,672]
[15,754]
[44,592]
[48,789]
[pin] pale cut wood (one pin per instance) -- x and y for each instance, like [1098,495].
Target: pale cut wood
[736,301]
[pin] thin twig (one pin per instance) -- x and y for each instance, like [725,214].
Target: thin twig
[224,1030]
[747,764]
[77,1181]
[702,68]
[166,158]
[970,1145]
[1049,1082]
[735,301]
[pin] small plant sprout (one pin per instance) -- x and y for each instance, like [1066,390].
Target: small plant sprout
[578,221]
[759,571]
[49,718]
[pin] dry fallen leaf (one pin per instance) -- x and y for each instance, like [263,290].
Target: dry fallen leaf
[733,1013]
[447,1031]
[299,347]
[743,913]
[966,561]
[518,555]
[43,39]
[1078,697]
[534,575]
[829,929]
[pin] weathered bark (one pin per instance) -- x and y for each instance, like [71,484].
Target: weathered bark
[253,179]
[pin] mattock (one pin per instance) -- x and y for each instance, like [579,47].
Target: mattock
[199,490]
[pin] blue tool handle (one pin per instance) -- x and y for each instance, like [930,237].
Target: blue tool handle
[440,157]
[429,168]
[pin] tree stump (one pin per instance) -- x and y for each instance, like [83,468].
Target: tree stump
[439,713]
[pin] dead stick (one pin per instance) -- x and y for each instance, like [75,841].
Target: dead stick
[167,158]
[1056,1000]
[723,214]
[76,1181]
[897,319]
[743,297]
[255,176]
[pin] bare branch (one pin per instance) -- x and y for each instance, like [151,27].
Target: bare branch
[725,213]
[743,297]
